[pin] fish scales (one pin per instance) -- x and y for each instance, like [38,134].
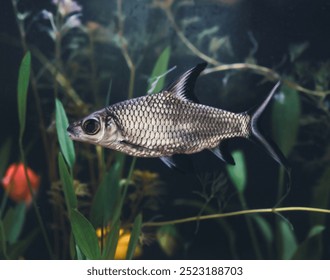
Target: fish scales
[169,125]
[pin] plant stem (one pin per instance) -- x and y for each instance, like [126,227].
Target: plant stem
[268,73]
[250,228]
[185,40]
[124,192]
[238,213]
[35,207]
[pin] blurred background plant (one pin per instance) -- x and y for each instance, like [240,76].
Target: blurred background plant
[76,201]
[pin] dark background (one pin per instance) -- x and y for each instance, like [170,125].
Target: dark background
[274,25]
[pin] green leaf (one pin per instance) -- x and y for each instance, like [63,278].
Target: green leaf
[237,172]
[285,118]
[169,239]
[65,142]
[136,231]
[266,231]
[321,198]
[111,242]
[22,88]
[72,247]
[289,242]
[80,255]
[3,242]
[4,155]
[19,248]
[107,195]
[13,222]
[84,235]
[264,227]
[309,248]
[66,179]
[159,69]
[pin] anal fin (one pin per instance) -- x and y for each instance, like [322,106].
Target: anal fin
[224,156]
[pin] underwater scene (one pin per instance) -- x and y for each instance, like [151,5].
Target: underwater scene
[165,129]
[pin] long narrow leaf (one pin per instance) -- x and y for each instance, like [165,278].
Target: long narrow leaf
[65,142]
[289,242]
[321,199]
[14,221]
[66,179]
[237,172]
[111,242]
[136,231]
[20,247]
[285,118]
[107,195]
[3,241]
[158,71]
[309,248]
[85,236]
[22,88]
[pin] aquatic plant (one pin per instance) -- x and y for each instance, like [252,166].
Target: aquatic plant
[104,205]
[16,184]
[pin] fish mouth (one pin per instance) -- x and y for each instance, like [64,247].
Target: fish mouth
[72,132]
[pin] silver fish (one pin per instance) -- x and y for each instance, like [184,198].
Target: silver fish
[171,122]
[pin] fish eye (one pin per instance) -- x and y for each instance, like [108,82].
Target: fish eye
[91,126]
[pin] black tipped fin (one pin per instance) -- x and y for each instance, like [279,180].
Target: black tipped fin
[257,136]
[226,157]
[183,88]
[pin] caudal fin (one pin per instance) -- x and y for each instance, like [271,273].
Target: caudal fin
[256,135]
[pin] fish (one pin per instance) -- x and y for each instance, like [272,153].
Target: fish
[172,122]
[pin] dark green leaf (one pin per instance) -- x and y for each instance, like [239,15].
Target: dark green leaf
[13,222]
[84,235]
[285,118]
[3,242]
[309,248]
[266,231]
[19,248]
[169,239]
[111,242]
[22,88]
[264,227]
[159,69]
[107,195]
[65,142]
[72,247]
[321,198]
[135,235]
[66,179]
[289,242]
[80,255]
[4,155]
[237,172]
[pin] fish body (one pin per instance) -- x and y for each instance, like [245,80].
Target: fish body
[170,122]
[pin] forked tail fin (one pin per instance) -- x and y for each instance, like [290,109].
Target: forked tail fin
[257,136]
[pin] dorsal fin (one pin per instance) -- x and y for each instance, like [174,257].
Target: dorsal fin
[183,88]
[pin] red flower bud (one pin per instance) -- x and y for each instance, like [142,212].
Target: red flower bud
[16,185]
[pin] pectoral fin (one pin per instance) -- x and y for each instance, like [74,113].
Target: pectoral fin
[169,162]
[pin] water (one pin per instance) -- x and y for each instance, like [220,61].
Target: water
[78,50]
